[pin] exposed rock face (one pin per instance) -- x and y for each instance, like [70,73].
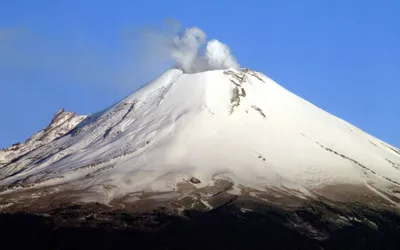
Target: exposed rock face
[195,181]
[62,123]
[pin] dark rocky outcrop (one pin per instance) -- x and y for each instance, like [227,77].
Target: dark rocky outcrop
[238,225]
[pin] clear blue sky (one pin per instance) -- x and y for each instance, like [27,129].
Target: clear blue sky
[343,56]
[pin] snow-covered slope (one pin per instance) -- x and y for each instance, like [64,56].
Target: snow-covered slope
[235,131]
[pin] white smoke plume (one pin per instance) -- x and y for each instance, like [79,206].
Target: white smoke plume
[187,52]
[185,49]
[141,54]
[218,56]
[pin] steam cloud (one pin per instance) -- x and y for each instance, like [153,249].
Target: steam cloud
[186,51]
[141,54]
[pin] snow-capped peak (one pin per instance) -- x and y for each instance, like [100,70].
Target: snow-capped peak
[195,131]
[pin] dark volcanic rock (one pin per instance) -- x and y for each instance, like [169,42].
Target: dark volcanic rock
[194,180]
[239,225]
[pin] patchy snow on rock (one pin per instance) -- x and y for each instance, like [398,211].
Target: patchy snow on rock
[61,124]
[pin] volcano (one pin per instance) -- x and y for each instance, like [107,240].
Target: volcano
[200,142]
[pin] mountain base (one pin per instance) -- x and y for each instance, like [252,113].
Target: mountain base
[237,225]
